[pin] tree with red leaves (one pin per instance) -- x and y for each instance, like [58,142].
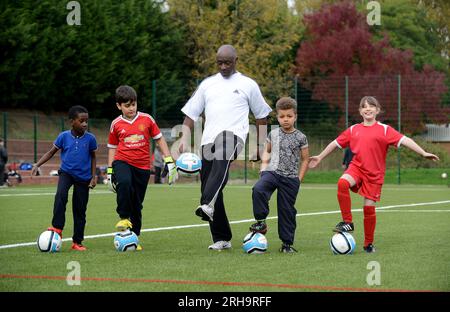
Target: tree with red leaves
[338,43]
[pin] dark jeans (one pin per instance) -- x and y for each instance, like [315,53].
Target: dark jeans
[287,194]
[216,160]
[80,198]
[158,171]
[131,186]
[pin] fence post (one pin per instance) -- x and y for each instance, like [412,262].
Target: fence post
[346,102]
[399,78]
[35,137]
[5,127]
[296,97]
[246,160]
[154,98]
[153,108]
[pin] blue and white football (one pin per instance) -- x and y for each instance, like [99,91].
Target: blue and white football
[49,241]
[254,243]
[189,163]
[126,241]
[342,244]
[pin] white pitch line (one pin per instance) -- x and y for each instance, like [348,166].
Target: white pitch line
[392,210]
[382,209]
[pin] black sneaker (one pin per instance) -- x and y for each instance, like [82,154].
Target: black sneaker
[259,227]
[369,248]
[205,212]
[344,227]
[285,248]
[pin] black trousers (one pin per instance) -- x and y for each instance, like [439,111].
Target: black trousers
[2,174]
[287,194]
[131,186]
[216,160]
[80,198]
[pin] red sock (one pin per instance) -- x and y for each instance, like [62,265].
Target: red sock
[370,220]
[344,199]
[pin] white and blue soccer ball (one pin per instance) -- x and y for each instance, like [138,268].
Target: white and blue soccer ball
[342,243]
[126,241]
[188,164]
[254,243]
[49,241]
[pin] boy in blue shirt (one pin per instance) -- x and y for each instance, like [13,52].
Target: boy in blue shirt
[78,164]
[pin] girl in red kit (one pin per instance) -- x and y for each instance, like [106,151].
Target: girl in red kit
[369,141]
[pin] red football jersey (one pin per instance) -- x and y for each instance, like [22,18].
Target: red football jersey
[370,145]
[132,139]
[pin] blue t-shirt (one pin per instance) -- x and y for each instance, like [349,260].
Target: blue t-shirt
[76,154]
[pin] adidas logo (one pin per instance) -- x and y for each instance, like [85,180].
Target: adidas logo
[123,131]
[236,91]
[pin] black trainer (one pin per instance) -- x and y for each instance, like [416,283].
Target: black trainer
[344,227]
[259,227]
[369,248]
[205,212]
[286,248]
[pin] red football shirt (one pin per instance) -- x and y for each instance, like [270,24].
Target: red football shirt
[131,138]
[370,145]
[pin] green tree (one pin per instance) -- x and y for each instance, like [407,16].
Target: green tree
[265,33]
[409,27]
[47,64]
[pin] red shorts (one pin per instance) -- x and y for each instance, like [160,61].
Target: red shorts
[363,186]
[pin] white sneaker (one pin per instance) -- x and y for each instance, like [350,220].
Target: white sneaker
[220,245]
[206,212]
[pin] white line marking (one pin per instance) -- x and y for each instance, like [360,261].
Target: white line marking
[252,220]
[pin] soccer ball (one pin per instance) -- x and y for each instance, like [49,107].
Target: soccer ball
[126,241]
[444,175]
[342,243]
[188,163]
[49,241]
[254,243]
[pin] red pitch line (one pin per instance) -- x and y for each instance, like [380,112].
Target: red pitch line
[218,283]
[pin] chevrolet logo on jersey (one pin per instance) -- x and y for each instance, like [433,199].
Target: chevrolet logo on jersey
[134,138]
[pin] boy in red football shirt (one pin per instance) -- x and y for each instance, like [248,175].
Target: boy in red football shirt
[369,141]
[129,158]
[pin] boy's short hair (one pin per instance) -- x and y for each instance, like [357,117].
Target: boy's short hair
[125,94]
[286,103]
[75,110]
[371,100]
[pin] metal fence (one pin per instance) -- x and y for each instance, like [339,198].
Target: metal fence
[325,108]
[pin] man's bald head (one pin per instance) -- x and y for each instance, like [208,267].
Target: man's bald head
[227,50]
[226,60]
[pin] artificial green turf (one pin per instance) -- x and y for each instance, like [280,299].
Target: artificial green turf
[412,247]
